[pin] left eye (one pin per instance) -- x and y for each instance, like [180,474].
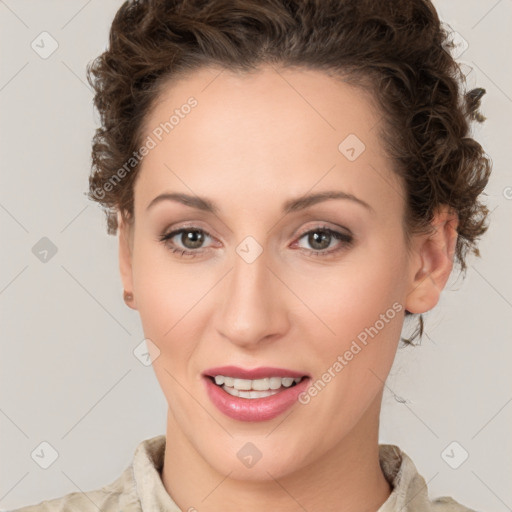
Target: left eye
[192,239]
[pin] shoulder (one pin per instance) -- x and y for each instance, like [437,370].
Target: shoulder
[119,495]
[410,491]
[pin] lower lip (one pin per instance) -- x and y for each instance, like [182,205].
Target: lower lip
[254,409]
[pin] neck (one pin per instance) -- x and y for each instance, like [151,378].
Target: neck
[347,478]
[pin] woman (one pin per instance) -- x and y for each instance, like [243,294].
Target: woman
[290,181]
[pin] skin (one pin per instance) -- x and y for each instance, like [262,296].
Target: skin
[253,142]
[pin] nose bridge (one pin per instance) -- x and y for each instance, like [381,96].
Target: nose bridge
[252,305]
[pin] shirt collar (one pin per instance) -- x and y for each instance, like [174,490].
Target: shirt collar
[409,487]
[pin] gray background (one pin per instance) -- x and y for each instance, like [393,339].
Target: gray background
[68,372]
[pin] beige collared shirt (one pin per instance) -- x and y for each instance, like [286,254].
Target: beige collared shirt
[140,487]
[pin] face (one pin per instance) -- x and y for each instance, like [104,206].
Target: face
[320,289]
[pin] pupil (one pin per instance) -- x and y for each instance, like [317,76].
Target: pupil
[189,237]
[314,239]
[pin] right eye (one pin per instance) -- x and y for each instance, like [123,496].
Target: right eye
[191,238]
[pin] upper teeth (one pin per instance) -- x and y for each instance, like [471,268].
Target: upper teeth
[257,384]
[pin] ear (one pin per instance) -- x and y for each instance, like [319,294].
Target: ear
[432,261]
[125,257]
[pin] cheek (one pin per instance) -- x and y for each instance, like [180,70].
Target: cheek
[361,314]
[351,296]
[166,295]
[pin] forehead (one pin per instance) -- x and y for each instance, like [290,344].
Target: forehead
[303,101]
[273,130]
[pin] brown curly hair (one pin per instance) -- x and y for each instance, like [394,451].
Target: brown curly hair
[398,51]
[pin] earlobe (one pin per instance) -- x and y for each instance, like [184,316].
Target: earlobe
[125,260]
[432,262]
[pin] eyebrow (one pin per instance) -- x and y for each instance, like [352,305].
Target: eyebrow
[292,205]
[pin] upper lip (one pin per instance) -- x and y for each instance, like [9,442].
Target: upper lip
[255,373]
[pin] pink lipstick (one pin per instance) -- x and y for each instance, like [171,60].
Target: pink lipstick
[260,394]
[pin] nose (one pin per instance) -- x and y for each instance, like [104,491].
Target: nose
[252,304]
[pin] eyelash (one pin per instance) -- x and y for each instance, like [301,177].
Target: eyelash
[347,239]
